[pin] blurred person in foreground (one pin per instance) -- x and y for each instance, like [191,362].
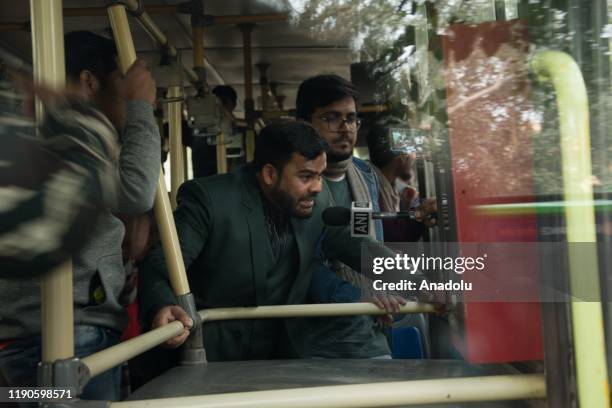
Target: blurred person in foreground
[126,104]
[54,185]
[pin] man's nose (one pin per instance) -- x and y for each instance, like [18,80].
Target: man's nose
[316,186]
[343,126]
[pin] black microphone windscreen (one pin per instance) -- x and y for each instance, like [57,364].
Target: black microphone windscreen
[336,216]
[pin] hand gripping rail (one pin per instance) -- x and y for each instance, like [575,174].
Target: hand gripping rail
[163,212]
[113,356]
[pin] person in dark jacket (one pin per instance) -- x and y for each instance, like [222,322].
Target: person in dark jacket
[248,239]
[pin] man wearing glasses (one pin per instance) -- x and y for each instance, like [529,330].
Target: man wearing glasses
[329,103]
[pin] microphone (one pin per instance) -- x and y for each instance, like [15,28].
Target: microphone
[339,216]
[359,217]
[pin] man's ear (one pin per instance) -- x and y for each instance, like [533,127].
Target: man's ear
[269,175]
[89,83]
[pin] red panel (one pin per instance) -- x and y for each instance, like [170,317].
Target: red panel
[491,156]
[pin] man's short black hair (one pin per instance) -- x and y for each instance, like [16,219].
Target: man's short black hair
[85,50]
[321,90]
[226,93]
[280,139]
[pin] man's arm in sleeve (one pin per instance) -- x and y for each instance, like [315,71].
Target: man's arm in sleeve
[327,287]
[338,244]
[140,159]
[193,221]
[56,185]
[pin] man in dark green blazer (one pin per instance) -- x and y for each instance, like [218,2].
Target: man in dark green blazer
[247,239]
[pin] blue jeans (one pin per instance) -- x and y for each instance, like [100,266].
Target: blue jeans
[19,362]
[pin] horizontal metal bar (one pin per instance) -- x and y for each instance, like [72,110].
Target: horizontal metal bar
[172,9]
[6,27]
[250,18]
[373,108]
[161,9]
[113,356]
[314,310]
[386,394]
[101,361]
[101,11]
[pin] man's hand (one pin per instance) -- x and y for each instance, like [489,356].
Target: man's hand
[408,195]
[390,303]
[169,314]
[437,299]
[424,212]
[139,84]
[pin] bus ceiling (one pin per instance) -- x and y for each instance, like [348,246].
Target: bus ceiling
[292,51]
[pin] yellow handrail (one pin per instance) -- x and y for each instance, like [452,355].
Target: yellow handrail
[385,394]
[56,286]
[308,310]
[177,157]
[113,356]
[163,213]
[587,317]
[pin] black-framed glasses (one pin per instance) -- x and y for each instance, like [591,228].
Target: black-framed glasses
[334,121]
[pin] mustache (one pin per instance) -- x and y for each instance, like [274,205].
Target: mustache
[343,137]
[309,197]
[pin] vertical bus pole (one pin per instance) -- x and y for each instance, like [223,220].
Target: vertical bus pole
[198,66]
[249,103]
[263,87]
[197,32]
[56,286]
[562,71]
[177,156]
[163,213]
[186,161]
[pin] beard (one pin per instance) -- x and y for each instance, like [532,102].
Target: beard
[335,157]
[288,204]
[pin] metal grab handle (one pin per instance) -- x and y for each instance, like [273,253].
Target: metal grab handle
[113,356]
[562,71]
[106,359]
[177,159]
[310,310]
[386,394]
[163,211]
[56,286]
